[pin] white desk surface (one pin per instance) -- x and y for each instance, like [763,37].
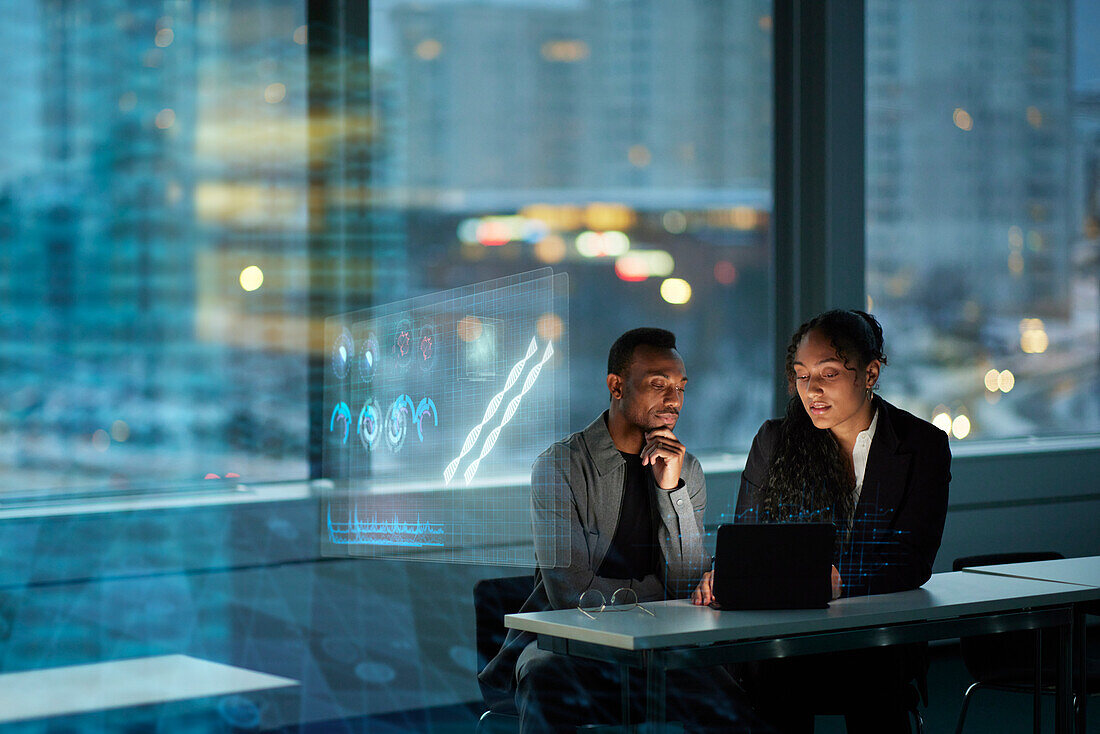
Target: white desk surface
[1081,571]
[77,689]
[678,623]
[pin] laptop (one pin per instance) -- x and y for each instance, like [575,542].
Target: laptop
[774,565]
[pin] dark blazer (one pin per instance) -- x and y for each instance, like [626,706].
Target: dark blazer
[899,519]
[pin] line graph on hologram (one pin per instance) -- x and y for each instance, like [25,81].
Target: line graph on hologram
[444,440]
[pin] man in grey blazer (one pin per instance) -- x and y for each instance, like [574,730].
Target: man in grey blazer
[618,505]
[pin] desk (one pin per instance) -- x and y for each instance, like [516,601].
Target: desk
[682,635]
[1074,571]
[1079,571]
[78,689]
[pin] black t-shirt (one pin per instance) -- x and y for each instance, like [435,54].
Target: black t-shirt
[633,551]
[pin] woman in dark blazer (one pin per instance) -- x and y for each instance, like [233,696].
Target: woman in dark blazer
[844,455]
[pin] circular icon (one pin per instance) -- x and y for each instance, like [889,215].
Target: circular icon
[369,425]
[397,422]
[427,346]
[425,408]
[343,351]
[340,422]
[368,358]
[403,343]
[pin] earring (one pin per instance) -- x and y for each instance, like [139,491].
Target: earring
[870,393]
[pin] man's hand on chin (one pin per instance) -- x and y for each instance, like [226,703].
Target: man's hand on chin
[664,453]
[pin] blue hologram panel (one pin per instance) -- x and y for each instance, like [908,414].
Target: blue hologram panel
[438,406]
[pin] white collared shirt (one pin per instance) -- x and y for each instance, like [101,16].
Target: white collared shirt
[860,452]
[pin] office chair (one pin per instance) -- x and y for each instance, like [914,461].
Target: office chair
[1012,661]
[493,598]
[913,694]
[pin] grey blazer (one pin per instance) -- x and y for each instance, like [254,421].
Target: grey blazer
[576,496]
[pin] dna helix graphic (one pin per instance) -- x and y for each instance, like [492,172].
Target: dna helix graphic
[490,411]
[509,412]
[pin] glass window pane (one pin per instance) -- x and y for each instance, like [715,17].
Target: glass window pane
[983,146]
[162,251]
[153,243]
[626,144]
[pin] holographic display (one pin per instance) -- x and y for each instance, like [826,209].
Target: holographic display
[451,396]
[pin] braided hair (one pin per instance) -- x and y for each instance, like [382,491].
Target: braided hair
[808,478]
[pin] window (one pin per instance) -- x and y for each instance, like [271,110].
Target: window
[188,188]
[153,237]
[626,144]
[177,200]
[983,142]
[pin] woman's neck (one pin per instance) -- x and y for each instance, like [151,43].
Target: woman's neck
[846,435]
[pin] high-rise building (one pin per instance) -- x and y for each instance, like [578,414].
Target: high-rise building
[967,138]
[107,243]
[652,103]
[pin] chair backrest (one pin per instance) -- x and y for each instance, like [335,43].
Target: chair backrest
[493,598]
[1007,656]
[996,559]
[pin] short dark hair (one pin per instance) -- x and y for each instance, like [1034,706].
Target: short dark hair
[622,351]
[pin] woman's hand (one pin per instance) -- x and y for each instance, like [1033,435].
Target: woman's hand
[704,592]
[837,583]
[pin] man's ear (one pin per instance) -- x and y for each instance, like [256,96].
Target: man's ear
[615,386]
